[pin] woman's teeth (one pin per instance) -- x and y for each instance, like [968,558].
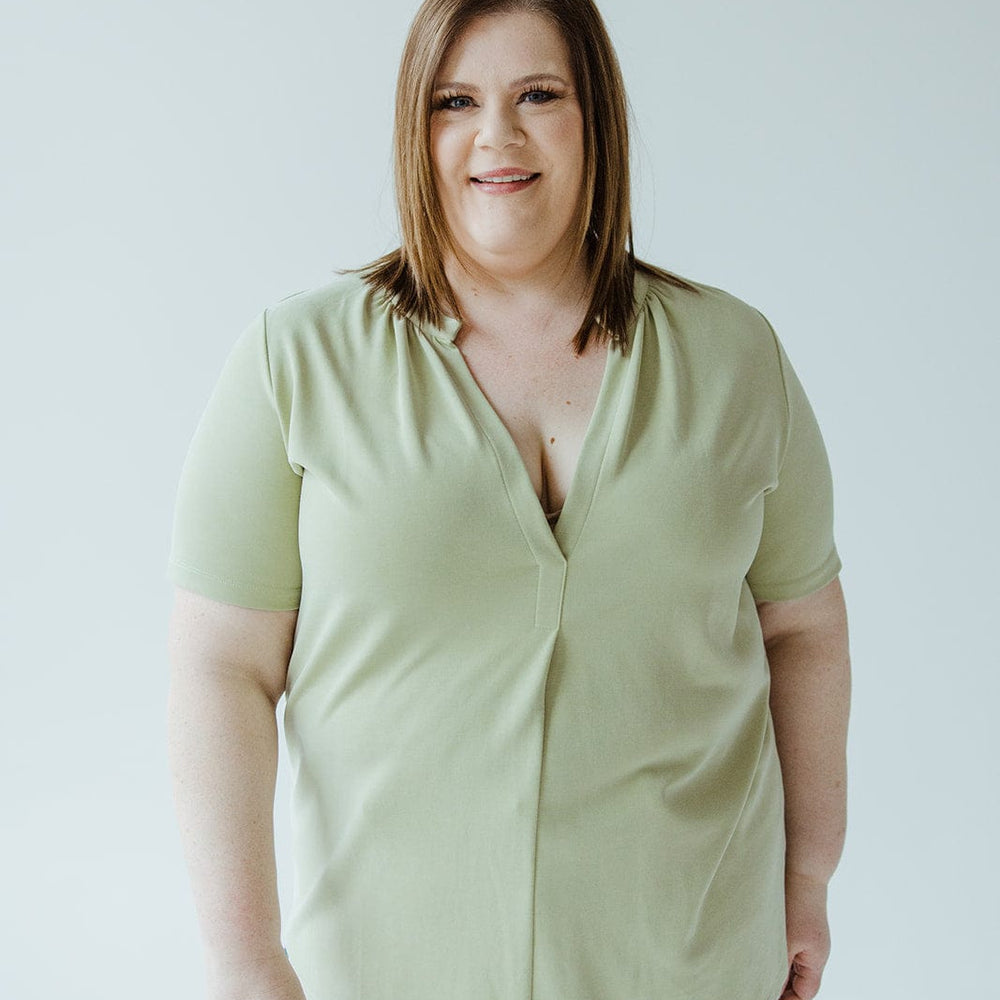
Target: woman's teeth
[503,180]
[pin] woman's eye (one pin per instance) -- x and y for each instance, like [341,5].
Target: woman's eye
[455,103]
[538,96]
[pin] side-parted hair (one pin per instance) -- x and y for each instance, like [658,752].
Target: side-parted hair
[413,276]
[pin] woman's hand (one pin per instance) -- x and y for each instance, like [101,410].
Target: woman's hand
[808,935]
[269,979]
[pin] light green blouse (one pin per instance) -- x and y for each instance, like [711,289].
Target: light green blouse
[530,763]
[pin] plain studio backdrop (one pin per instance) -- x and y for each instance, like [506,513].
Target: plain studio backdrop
[171,169]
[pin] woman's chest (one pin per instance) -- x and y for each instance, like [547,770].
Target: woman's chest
[546,401]
[430,466]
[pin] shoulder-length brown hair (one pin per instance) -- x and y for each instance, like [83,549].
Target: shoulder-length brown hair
[413,277]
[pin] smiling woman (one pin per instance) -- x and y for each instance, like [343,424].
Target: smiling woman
[507,148]
[536,540]
[414,276]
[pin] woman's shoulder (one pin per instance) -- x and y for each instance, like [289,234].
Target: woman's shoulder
[345,302]
[697,299]
[342,323]
[706,315]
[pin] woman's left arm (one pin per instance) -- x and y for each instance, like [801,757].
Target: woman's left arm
[807,650]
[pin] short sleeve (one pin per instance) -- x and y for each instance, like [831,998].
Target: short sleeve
[235,536]
[797,554]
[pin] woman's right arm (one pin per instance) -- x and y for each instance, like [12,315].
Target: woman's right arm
[228,668]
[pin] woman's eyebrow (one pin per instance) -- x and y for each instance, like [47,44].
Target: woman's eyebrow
[520,82]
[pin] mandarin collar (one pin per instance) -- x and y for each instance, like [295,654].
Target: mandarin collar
[446,331]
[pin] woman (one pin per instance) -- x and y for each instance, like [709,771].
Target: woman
[536,539]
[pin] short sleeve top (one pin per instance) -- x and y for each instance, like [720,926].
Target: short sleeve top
[529,761]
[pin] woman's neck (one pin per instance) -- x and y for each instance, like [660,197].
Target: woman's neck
[533,307]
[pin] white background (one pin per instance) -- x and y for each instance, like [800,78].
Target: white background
[171,169]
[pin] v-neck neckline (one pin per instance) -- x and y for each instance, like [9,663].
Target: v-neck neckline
[549,540]
[517,480]
[564,534]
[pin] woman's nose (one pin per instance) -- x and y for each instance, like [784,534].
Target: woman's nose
[498,128]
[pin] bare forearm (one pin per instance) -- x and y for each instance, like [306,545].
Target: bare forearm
[810,697]
[223,751]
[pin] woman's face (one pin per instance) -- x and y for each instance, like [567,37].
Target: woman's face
[507,143]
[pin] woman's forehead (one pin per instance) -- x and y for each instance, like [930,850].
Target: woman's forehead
[517,44]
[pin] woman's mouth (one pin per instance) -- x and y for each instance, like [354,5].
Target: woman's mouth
[505,181]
